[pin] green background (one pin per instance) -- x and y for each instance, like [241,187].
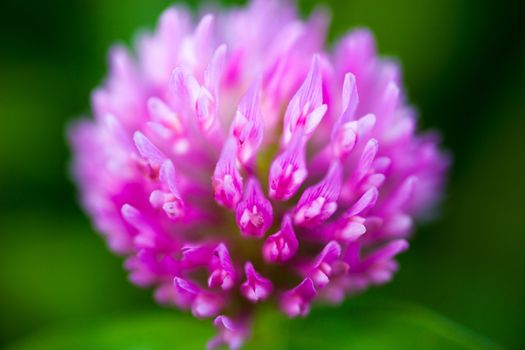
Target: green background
[463,63]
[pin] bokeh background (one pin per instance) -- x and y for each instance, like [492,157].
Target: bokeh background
[464,67]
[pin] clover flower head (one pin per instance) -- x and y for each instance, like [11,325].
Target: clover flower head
[238,161]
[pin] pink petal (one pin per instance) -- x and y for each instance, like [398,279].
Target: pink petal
[226,180]
[288,170]
[305,108]
[296,302]
[247,126]
[254,214]
[256,288]
[222,272]
[283,245]
[319,202]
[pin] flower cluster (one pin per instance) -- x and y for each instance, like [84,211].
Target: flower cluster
[237,161]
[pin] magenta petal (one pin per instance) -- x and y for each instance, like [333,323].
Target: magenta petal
[205,109]
[185,291]
[296,302]
[329,254]
[135,218]
[322,268]
[184,90]
[346,135]
[196,255]
[207,102]
[350,100]
[389,100]
[319,202]
[226,180]
[367,200]
[288,170]
[148,235]
[344,139]
[212,74]
[379,266]
[355,52]
[148,149]
[247,126]
[305,109]
[254,214]
[207,305]
[171,202]
[256,288]
[350,97]
[230,333]
[203,35]
[162,113]
[386,252]
[222,272]
[401,197]
[149,267]
[115,129]
[398,225]
[365,162]
[283,245]
[350,229]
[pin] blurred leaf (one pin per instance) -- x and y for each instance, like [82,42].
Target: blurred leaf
[365,326]
[379,325]
[145,332]
[57,269]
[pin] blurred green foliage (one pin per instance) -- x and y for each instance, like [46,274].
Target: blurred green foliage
[462,61]
[378,326]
